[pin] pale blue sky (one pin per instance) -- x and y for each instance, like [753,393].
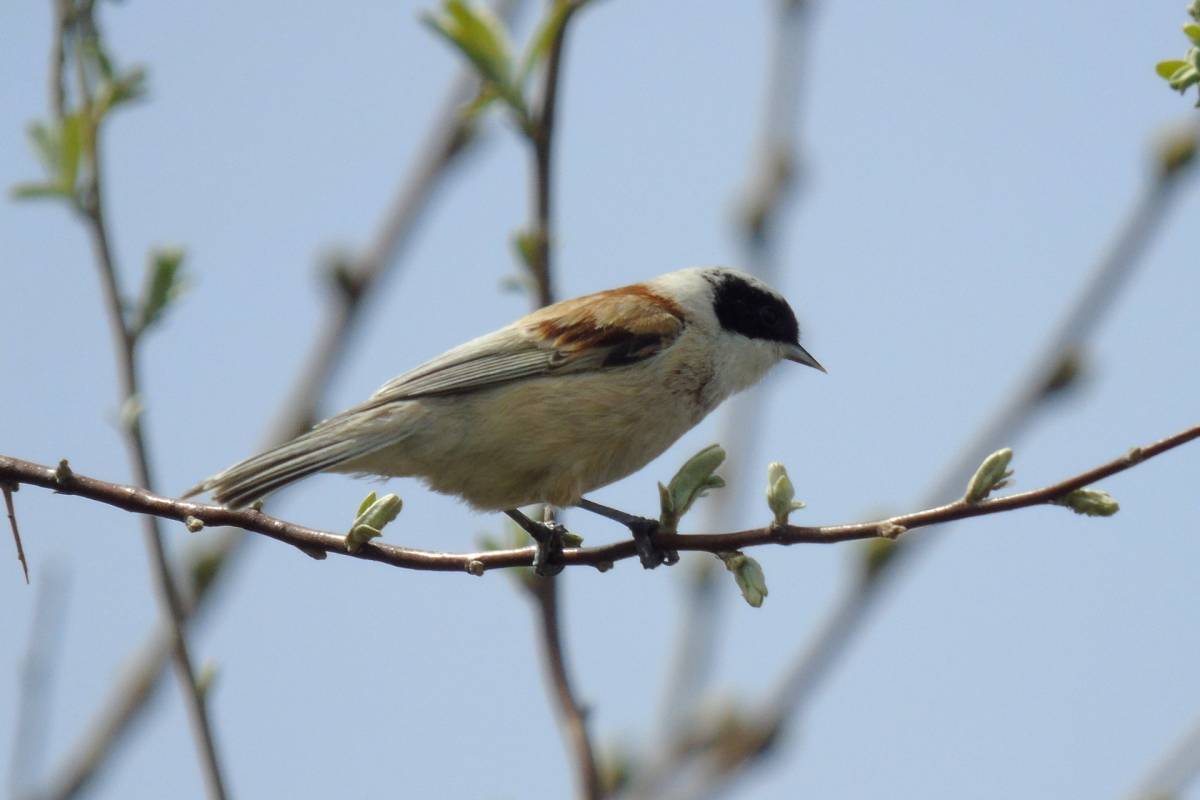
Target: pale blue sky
[965,165]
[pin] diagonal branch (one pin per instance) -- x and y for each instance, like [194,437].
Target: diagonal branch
[448,140]
[545,590]
[132,498]
[8,489]
[1052,370]
[90,206]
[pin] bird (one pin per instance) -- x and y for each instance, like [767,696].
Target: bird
[565,400]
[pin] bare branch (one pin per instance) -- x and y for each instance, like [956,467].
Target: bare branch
[448,140]
[1175,773]
[770,183]
[573,716]
[36,676]
[8,489]
[91,208]
[1041,383]
[131,498]
[545,590]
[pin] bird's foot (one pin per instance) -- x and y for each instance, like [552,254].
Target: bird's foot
[548,538]
[645,539]
[645,534]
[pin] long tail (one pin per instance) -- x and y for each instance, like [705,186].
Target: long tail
[334,441]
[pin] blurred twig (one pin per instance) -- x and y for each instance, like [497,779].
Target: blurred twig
[1055,368]
[77,26]
[36,673]
[770,184]
[7,490]
[448,139]
[545,590]
[1178,769]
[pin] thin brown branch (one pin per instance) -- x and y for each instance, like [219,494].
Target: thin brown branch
[1041,383]
[142,501]
[768,187]
[1176,771]
[572,716]
[36,676]
[1096,296]
[91,208]
[541,139]
[8,489]
[447,141]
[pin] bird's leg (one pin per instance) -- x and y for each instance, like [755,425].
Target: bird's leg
[548,560]
[644,530]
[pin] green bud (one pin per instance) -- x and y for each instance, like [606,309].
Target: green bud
[131,411]
[1090,502]
[205,677]
[877,554]
[475,567]
[194,524]
[373,515]
[781,494]
[992,474]
[1175,151]
[748,575]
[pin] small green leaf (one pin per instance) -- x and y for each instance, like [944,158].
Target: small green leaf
[690,483]
[367,502]
[480,36]
[380,511]
[1192,31]
[47,144]
[119,90]
[992,474]
[525,244]
[539,44]
[1166,69]
[70,149]
[749,576]
[1090,502]
[40,191]
[162,287]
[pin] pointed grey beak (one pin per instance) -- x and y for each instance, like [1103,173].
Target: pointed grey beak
[801,356]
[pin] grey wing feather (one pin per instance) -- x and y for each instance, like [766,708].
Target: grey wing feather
[498,358]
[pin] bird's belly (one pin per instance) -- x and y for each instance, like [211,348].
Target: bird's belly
[549,440]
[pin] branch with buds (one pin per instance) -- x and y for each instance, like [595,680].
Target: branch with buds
[1071,492]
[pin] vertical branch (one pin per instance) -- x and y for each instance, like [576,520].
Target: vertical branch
[7,490]
[574,717]
[449,138]
[770,184]
[545,590]
[125,341]
[36,674]
[1051,371]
